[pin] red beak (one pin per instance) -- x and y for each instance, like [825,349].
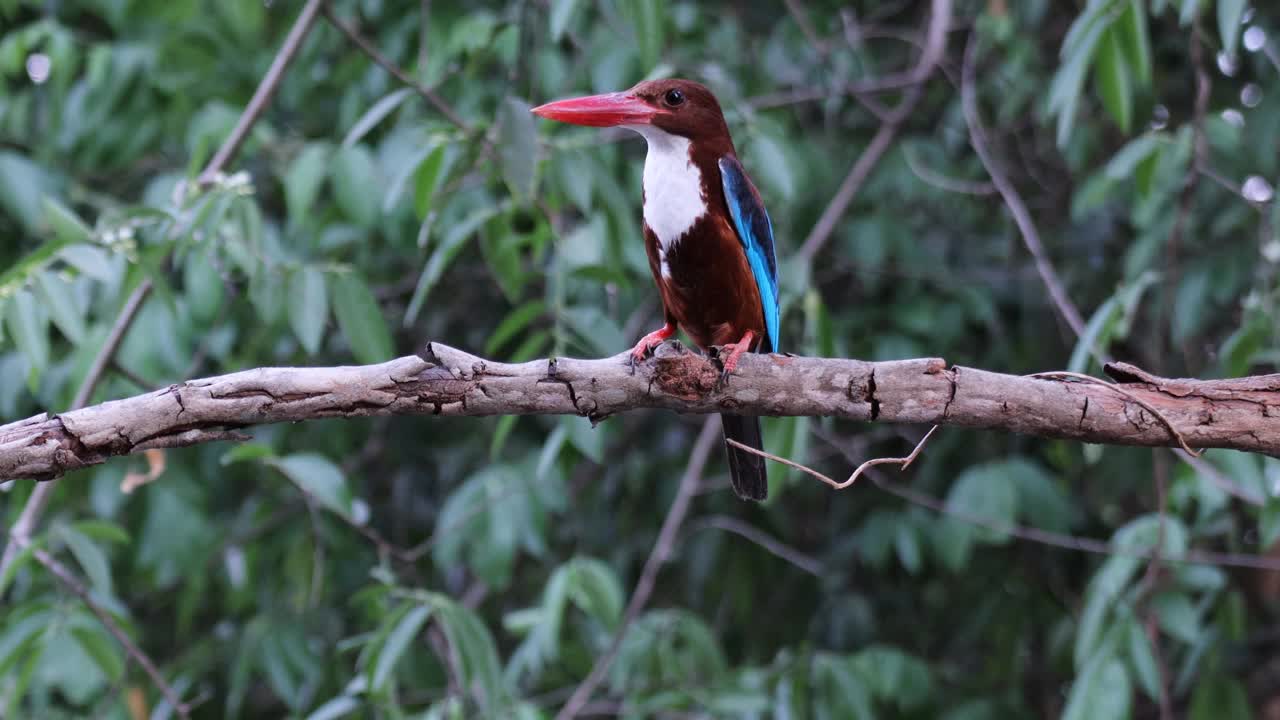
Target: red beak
[600,110]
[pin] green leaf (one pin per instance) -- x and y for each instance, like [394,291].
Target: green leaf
[102,530]
[906,541]
[90,260]
[1188,11]
[1115,87]
[25,184]
[1101,596]
[774,164]
[1229,14]
[303,180]
[1269,523]
[1068,81]
[1191,304]
[513,323]
[247,451]
[27,324]
[894,676]
[595,589]
[1142,658]
[67,226]
[397,642]
[468,636]
[647,20]
[1124,162]
[1102,692]
[360,319]
[17,633]
[1218,697]
[103,651]
[985,492]
[203,285]
[308,306]
[1132,27]
[426,179]
[443,256]
[90,557]
[376,114]
[517,147]
[57,296]
[338,707]
[848,694]
[1177,616]
[1042,502]
[356,185]
[317,476]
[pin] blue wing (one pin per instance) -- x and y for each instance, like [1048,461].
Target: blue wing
[755,232]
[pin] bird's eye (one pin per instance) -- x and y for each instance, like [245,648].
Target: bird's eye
[674,97]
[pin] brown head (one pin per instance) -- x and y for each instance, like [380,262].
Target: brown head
[680,107]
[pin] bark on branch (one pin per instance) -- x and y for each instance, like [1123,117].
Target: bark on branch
[1243,413]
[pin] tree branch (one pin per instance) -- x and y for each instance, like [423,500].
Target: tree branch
[1242,414]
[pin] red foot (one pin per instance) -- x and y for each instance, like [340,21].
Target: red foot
[733,351]
[648,342]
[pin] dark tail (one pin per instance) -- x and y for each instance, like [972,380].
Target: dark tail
[746,470]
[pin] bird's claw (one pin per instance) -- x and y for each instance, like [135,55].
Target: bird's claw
[729,355]
[648,343]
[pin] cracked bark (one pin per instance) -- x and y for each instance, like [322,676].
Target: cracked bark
[1242,413]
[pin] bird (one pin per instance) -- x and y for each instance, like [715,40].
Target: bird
[707,234]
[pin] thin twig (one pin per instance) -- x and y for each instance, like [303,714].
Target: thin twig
[140,382]
[902,462]
[20,533]
[1071,542]
[806,26]
[26,523]
[76,586]
[935,46]
[266,90]
[39,499]
[114,338]
[1052,539]
[1021,215]
[424,29]
[1203,467]
[942,182]
[1151,581]
[368,48]
[657,558]
[1186,199]
[771,544]
[1173,431]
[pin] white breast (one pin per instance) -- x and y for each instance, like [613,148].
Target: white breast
[673,199]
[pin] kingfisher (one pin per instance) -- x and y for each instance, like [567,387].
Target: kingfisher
[707,235]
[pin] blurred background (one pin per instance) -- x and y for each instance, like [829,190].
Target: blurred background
[439,568]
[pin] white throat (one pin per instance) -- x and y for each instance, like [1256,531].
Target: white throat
[673,199]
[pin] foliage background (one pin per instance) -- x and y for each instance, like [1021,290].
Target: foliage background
[411,567]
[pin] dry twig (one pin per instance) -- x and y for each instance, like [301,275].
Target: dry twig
[902,462]
[368,48]
[1081,377]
